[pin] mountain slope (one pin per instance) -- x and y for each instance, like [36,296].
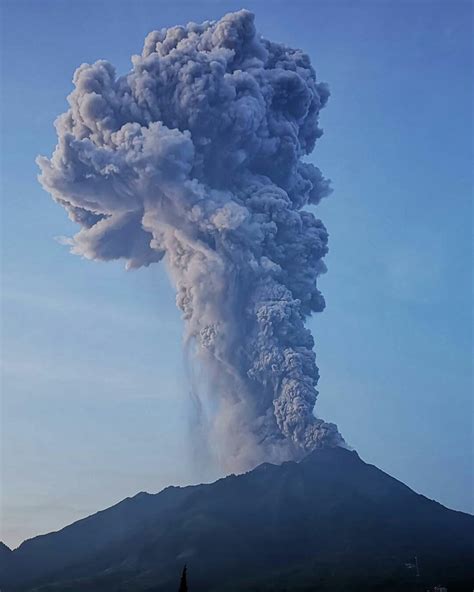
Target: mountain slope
[331,521]
[5,556]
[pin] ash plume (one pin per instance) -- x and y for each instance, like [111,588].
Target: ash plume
[196,157]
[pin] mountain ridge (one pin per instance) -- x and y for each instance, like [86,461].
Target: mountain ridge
[330,509]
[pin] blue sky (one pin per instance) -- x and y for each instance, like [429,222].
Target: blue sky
[94,392]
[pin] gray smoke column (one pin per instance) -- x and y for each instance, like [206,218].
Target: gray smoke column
[196,156]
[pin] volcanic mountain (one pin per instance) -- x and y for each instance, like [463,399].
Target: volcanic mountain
[330,522]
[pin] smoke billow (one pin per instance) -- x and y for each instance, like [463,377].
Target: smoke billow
[195,156]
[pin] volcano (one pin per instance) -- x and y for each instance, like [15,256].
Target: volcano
[330,522]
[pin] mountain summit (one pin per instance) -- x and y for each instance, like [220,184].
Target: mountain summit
[330,522]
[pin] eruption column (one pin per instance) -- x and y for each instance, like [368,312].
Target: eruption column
[196,156]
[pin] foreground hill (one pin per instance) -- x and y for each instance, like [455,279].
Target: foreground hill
[330,522]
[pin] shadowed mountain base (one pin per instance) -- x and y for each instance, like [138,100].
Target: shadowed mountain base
[330,522]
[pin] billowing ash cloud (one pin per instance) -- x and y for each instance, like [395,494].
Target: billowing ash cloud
[195,156]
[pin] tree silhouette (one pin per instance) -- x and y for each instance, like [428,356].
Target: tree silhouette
[183,585]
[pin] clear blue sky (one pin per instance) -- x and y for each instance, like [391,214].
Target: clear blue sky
[93,383]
